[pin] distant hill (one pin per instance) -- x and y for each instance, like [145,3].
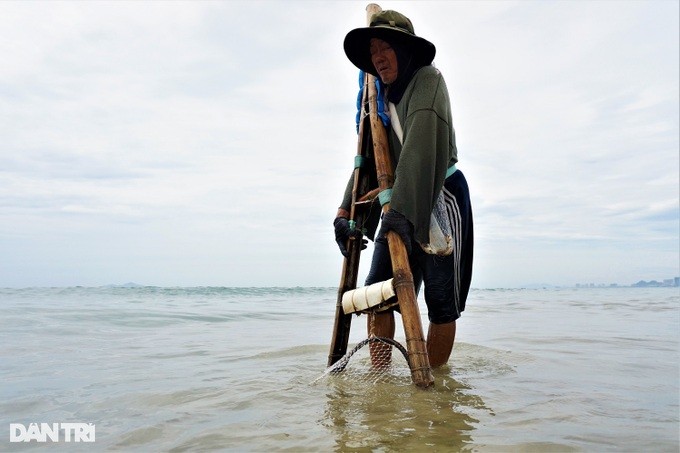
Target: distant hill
[126,285]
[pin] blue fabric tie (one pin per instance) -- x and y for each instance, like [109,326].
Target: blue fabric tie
[384,117]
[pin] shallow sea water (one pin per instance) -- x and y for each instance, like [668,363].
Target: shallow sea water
[241,369]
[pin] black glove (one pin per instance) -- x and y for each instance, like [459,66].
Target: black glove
[392,220]
[343,232]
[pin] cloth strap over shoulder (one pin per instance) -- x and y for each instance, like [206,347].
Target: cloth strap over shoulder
[396,127]
[442,216]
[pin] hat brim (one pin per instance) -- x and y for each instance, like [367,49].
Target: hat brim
[357,46]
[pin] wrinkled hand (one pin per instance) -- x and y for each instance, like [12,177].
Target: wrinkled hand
[394,221]
[343,233]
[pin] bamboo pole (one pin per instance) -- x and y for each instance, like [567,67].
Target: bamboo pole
[350,265]
[419,362]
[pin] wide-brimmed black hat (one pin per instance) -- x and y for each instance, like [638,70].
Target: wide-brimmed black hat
[396,29]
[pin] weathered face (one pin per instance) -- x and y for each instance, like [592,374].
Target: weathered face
[384,59]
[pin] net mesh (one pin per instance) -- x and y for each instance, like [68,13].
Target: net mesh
[373,360]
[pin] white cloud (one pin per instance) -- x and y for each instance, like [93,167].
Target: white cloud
[208,143]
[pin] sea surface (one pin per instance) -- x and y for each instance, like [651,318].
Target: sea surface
[242,369]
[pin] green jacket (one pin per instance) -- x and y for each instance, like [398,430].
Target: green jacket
[428,150]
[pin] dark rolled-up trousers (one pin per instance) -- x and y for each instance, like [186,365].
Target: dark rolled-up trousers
[446,278]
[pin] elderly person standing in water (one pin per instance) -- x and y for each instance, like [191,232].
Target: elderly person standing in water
[424,155]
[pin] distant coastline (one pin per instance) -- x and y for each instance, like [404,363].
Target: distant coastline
[666,283]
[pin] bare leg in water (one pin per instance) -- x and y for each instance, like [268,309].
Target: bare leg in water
[381,325]
[440,339]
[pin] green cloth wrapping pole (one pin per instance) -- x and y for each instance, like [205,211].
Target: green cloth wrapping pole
[385,196]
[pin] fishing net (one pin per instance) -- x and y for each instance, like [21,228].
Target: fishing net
[373,360]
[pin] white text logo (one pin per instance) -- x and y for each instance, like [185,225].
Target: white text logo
[53,432]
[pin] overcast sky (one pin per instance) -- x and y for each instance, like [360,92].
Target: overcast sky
[209,143]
